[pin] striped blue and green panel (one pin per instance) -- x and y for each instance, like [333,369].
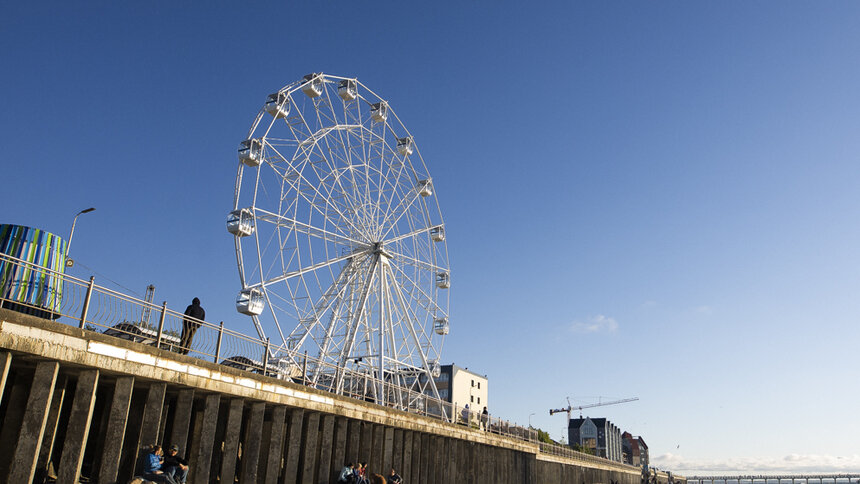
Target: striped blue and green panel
[23,283]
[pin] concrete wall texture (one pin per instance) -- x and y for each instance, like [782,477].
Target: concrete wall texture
[74,404]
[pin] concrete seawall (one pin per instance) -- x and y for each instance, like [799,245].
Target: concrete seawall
[77,403]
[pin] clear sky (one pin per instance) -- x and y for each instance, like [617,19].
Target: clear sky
[649,199]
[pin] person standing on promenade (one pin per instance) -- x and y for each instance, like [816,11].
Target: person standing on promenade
[194,314]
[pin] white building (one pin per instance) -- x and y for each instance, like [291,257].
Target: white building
[460,386]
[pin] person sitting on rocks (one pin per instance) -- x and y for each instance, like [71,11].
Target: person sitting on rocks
[175,465]
[394,478]
[152,467]
[346,474]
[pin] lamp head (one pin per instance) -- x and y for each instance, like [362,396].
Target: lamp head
[87,210]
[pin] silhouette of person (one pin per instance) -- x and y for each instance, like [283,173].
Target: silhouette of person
[194,314]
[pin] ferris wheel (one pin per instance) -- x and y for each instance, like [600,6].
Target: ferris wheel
[340,241]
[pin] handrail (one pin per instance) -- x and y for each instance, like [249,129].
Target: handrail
[90,306]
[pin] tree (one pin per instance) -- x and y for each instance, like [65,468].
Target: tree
[583,449]
[544,437]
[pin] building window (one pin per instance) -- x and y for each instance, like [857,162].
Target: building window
[479,385]
[479,400]
[473,382]
[472,397]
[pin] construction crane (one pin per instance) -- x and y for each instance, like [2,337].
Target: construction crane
[147,308]
[591,405]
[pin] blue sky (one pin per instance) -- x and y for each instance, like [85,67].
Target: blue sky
[650,199]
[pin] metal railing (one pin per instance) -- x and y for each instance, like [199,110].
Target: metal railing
[84,304]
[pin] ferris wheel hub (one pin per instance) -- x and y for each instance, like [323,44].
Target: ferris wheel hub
[379,249]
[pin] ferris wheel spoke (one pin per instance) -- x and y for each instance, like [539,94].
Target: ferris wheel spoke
[417,287]
[301,227]
[412,332]
[289,275]
[324,304]
[307,151]
[413,261]
[296,186]
[352,326]
[403,208]
[337,176]
[425,230]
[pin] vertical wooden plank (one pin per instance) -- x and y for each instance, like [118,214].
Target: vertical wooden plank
[397,463]
[405,470]
[199,470]
[376,459]
[16,404]
[252,441]
[5,364]
[415,476]
[78,429]
[353,441]
[339,458]
[388,452]
[182,420]
[46,454]
[310,447]
[33,425]
[293,446]
[231,440]
[151,422]
[326,443]
[276,445]
[365,451]
[115,433]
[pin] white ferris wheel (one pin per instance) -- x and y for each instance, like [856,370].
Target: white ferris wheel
[340,241]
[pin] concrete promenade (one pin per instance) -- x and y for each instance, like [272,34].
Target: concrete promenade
[778,479]
[78,403]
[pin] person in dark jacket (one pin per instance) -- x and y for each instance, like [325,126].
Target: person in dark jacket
[193,315]
[175,465]
[394,478]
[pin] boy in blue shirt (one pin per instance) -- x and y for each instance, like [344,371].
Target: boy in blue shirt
[152,467]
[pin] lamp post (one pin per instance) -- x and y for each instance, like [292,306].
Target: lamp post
[530,419]
[70,262]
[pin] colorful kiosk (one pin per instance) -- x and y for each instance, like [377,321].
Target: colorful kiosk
[31,266]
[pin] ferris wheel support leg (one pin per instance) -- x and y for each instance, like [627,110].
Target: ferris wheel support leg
[430,381]
[389,325]
[353,330]
[301,332]
[381,372]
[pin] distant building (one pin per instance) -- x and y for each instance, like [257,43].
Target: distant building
[635,450]
[597,434]
[460,386]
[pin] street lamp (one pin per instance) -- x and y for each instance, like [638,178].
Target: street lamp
[70,262]
[530,419]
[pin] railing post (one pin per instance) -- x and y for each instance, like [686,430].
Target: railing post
[161,324]
[266,358]
[218,345]
[305,369]
[86,307]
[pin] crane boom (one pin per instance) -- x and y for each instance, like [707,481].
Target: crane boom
[614,402]
[591,405]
